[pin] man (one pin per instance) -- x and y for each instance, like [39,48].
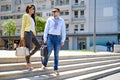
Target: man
[55,26]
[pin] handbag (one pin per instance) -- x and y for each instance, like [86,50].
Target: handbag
[21,50]
[43,51]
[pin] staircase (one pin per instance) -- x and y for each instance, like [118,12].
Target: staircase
[83,67]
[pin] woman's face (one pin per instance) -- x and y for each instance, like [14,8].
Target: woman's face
[32,10]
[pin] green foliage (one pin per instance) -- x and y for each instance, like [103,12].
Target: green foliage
[9,27]
[40,24]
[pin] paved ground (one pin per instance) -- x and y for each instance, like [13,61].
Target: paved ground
[112,77]
[6,53]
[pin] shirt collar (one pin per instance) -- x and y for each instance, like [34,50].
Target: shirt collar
[56,18]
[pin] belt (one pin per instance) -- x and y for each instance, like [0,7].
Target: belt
[54,35]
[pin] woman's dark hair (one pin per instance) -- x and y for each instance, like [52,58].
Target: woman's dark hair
[27,11]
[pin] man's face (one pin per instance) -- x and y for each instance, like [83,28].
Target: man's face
[55,13]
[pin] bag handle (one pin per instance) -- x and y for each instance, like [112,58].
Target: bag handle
[21,43]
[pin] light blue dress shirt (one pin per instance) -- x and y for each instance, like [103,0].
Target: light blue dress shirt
[55,26]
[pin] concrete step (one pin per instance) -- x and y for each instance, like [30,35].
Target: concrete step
[69,66]
[115,76]
[34,59]
[99,75]
[84,71]
[21,73]
[20,66]
[90,73]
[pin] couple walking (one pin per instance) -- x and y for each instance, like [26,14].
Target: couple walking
[55,26]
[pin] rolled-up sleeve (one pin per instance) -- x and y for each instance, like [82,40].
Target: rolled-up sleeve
[46,30]
[63,31]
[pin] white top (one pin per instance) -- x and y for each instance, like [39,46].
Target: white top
[55,27]
[33,25]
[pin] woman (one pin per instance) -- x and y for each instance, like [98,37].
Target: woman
[28,32]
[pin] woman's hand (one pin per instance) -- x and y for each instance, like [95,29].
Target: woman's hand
[22,39]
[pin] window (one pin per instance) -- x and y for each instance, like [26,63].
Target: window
[57,2]
[82,13]
[18,8]
[67,1]
[40,14]
[76,1]
[49,14]
[5,7]
[82,27]
[5,17]
[38,8]
[76,29]
[43,6]
[11,17]
[61,2]
[2,17]
[67,27]
[76,14]
[82,3]
[61,13]
[52,3]
[67,13]
[18,1]
[19,16]
[67,38]
[18,30]
[28,1]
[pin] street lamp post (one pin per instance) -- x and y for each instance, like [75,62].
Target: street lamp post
[94,34]
[9,39]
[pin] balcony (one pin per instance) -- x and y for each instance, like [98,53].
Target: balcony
[18,2]
[62,5]
[44,8]
[5,1]
[79,6]
[5,12]
[78,19]
[65,17]
[28,1]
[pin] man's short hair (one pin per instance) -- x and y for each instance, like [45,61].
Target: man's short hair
[56,9]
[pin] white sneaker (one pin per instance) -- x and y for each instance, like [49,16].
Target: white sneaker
[43,67]
[30,69]
[56,72]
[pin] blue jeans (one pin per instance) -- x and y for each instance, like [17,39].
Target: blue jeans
[53,42]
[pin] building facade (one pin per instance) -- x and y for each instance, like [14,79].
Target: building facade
[78,16]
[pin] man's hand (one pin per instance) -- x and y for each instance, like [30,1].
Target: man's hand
[45,42]
[62,43]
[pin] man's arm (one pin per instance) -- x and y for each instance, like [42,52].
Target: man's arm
[63,33]
[46,31]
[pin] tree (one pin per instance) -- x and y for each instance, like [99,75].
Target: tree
[9,27]
[40,24]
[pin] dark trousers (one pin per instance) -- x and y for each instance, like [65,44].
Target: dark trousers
[29,39]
